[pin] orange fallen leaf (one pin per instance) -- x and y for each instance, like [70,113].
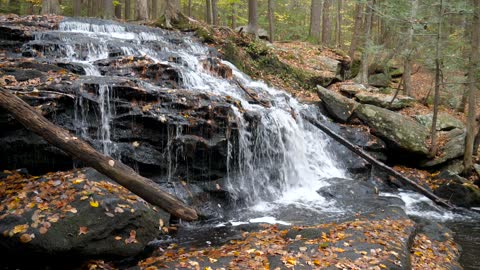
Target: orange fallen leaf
[25,238]
[82,230]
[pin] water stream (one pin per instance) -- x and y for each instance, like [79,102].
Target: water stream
[280,163]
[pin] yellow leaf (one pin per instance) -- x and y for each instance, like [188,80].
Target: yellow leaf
[383,266]
[292,261]
[317,262]
[20,228]
[118,238]
[207,268]
[94,204]
[418,253]
[78,181]
[340,250]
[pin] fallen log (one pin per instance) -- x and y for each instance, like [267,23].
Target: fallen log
[357,150]
[79,149]
[253,95]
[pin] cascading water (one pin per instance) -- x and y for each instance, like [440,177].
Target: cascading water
[278,158]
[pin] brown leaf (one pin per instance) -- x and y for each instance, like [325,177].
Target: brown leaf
[82,230]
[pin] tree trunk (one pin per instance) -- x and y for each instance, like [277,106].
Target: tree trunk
[338,25]
[77,8]
[438,48]
[252,17]
[98,8]
[142,10]
[189,8]
[50,7]
[326,25]
[316,19]
[407,73]
[171,12]
[356,29]
[363,72]
[215,12]
[118,11]
[271,20]
[128,10]
[472,89]
[77,148]
[234,15]
[155,9]
[107,9]
[208,11]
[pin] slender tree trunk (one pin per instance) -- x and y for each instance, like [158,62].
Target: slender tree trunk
[189,8]
[438,48]
[128,10]
[356,29]
[108,9]
[316,19]
[50,7]
[172,9]
[90,8]
[77,8]
[252,17]
[363,73]
[472,89]
[208,11]
[271,20]
[118,11]
[326,25]
[98,8]
[234,15]
[338,27]
[142,10]
[79,149]
[407,73]
[215,12]
[155,9]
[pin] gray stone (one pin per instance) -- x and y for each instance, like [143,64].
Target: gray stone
[445,121]
[383,100]
[379,80]
[339,107]
[398,131]
[454,148]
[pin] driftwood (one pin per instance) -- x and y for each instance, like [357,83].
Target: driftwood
[357,150]
[79,149]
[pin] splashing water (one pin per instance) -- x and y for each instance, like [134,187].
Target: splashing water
[278,157]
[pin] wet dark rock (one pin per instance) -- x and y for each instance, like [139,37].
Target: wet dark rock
[118,214]
[21,74]
[461,194]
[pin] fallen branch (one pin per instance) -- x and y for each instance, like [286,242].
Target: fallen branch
[77,148]
[357,150]
[253,95]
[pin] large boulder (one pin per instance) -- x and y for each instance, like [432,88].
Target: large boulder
[445,121]
[384,101]
[461,194]
[399,132]
[78,213]
[379,80]
[454,148]
[339,107]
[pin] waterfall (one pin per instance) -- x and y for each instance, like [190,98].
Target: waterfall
[279,157]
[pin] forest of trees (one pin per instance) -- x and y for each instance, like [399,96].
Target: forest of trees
[440,35]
